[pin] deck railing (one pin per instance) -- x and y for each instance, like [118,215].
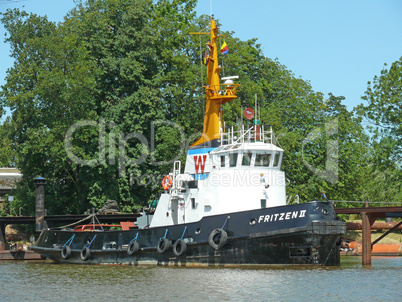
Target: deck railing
[240,135]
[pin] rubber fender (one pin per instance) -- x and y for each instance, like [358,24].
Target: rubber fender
[163,245]
[65,252]
[217,238]
[133,248]
[85,253]
[179,247]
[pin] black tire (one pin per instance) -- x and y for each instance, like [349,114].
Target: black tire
[217,238]
[133,248]
[85,253]
[65,252]
[163,245]
[179,247]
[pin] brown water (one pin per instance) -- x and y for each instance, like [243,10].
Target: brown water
[47,281]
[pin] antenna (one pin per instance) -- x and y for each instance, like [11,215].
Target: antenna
[255,106]
[210,7]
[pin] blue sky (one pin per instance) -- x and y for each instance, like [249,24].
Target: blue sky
[336,45]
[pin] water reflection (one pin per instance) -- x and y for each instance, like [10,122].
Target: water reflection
[23,281]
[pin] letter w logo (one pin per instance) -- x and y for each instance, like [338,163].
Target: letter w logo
[199,162]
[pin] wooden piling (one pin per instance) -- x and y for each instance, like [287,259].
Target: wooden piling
[366,239]
[40,183]
[2,237]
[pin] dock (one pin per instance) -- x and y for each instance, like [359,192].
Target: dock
[369,216]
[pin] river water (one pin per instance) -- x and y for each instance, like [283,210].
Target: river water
[47,281]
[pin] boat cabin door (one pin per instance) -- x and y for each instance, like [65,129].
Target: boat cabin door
[174,210]
[177,210]
[181,210]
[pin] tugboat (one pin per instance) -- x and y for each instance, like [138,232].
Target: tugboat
[228,208]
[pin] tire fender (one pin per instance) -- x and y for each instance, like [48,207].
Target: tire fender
[133,248]
[217,238]
[179,247]
[65,252]
[85,253]
[163,245]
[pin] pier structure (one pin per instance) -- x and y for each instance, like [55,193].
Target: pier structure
[51,221]
[369,216]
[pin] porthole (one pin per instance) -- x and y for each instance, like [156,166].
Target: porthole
[253,221]
[197,231]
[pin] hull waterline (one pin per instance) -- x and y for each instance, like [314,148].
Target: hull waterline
[298,241]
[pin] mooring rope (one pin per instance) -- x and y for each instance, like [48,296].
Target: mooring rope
[368,201]
[74,223]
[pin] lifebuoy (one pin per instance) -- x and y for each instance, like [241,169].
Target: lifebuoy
[163,245]
[133,248]
[217,238]
[65,252]
[179,247]
[85,253]
[167,182]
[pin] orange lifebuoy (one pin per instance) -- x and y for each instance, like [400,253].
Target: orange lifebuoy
[167,182]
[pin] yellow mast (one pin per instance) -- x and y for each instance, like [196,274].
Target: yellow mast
[215,95]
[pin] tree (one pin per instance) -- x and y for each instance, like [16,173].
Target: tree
[337,153]
[7,153]
[49,88]
[382,185]
[383,114]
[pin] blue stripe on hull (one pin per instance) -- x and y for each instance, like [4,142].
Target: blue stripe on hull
[200,151]
[200,176]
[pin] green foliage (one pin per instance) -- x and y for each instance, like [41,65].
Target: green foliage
[383,113]
[383,186]
[7,151]
[49,88]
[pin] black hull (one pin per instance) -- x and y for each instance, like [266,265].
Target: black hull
[311,239]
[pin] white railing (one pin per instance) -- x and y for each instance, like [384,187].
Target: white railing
[240,135]
[176,172]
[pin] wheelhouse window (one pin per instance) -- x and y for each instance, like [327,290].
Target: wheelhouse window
[223,161]
[246,161]
[233,159]
[262,160]
[276,159]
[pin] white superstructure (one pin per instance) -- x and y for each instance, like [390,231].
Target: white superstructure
[242,174]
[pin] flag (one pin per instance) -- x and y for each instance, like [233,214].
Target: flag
[224,48]
[323,194]
[206,58]
[207,54]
